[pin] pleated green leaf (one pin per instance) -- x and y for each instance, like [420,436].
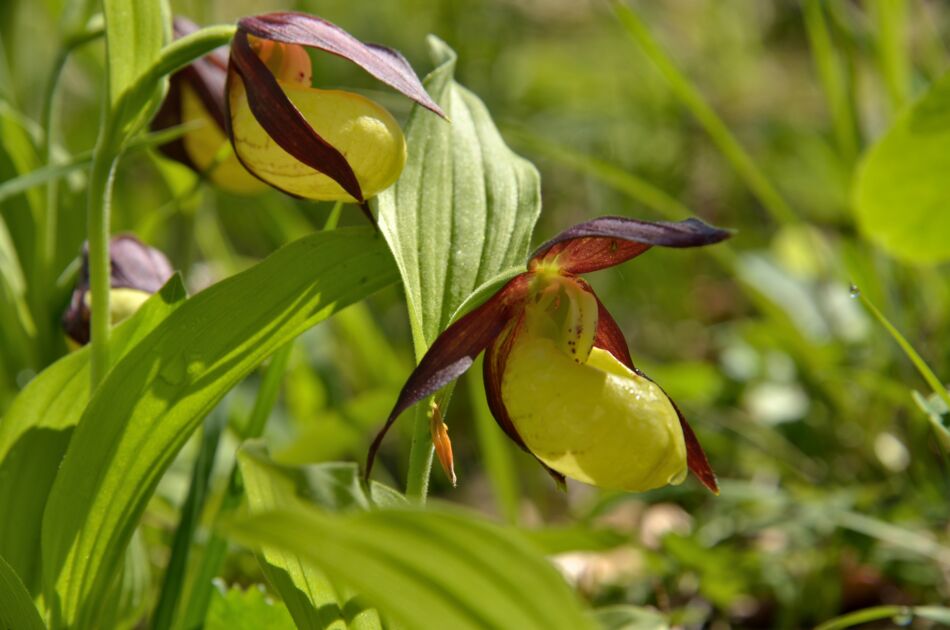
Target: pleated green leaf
[464,208]
[902,189]
[156,396]
[426,569]
[312,599]
[37,427]
[16,606]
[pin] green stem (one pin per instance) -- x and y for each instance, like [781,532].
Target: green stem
[46,232]
[174,579]
[922,368]
[334,217]
[890,19]
[693,100]
[101,179]
[864,616]
[420,455]
[831,72]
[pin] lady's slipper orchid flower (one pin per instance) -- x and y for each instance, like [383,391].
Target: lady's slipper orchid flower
[317,144]
[558,375]
[196,95]
[137,271]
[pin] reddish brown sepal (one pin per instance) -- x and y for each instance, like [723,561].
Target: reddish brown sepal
[383,63]
[608,241]
[282,121]
[696,458]
[454,351]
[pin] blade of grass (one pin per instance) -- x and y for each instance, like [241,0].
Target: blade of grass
[894,535]
[174,580]
[633,186]
[922,368]
[693,100]
[890,21]
[46,232]
[831,72]
[905,614]
[202,588]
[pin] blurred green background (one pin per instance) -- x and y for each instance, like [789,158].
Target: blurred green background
[834,485]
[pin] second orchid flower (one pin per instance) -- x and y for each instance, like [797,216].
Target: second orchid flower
[558,375]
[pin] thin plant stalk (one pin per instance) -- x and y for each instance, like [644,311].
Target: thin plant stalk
[831,73]
[922,368]
[173,582]
[334,217]
[46,234]
[890,21]
[420,455]
[101,179]
[693,100]
[904,615]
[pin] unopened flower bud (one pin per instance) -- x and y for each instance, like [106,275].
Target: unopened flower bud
[137,271]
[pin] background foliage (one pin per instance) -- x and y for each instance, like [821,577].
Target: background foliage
[762,117]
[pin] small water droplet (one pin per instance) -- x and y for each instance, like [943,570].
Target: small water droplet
[855,291]
[903,618]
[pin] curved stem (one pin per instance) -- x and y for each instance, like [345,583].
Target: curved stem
[99,212]
[46,233]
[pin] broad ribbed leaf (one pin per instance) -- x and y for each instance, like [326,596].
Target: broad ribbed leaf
[16,605]
[427,569]
[312,600]
[35,432]
[158,393]
[902,189]
[464,208]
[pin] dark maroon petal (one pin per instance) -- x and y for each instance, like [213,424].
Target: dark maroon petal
[207,77]
[609,336]
[385,64]
[454,351]
[609,241]
[496,357]
[168,116]
[493,369]
[283,121]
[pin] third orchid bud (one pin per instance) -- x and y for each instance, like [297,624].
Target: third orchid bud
[136,272]
[196,98]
